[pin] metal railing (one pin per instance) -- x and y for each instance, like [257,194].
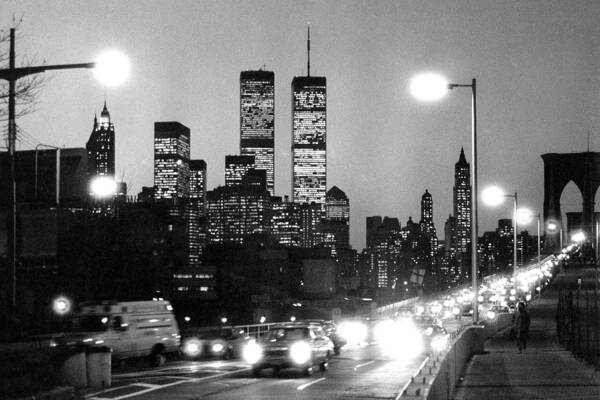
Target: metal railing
[578,322]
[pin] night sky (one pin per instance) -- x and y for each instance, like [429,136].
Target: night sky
[537,65]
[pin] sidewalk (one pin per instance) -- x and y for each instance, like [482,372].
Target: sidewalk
[545,371]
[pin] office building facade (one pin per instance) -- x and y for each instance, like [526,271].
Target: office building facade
[309,139]
[171,160]
[257,121]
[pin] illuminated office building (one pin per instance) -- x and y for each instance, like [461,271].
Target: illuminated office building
[310,217]
[335,227]
[101,147]
[337,205]
[171,160]
[285,221]
[309,137]
[257,116]
[236,168]
[309,149]
[427,227]
[197,211]
[234,212]
[462,210]
[198,185]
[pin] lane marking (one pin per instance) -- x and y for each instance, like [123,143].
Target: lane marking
[302,387]
[158,387]
[363,364]
[148,385]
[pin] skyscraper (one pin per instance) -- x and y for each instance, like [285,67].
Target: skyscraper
[427,227]
[171,160]
[236,168]
[197,234]
[101,147]
[335,227]
[309,134]
[337,205]
[462,210]
[198,185]
[234,212]
[257,116]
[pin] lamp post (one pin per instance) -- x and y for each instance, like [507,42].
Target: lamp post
[494,196]
[108,69]
[57,171]
[431,87]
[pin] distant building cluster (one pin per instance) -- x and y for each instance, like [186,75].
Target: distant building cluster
[238,243]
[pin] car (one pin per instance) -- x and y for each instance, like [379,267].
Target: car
[330,329]
[223,342]
[297,345]
[435,337]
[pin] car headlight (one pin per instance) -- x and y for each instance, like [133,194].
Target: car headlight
[439,343]
[300,352]
[491,315]
[192,347]
[252,352]
[217,347]
[353,331]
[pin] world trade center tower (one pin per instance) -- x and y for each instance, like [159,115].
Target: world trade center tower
[309,134]
[257,116]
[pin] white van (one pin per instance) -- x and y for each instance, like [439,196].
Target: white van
[130,328]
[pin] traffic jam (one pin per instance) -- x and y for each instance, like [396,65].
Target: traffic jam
[424,327]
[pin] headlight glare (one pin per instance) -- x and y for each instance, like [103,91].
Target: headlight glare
[253,352]
[192,347]
[300,352]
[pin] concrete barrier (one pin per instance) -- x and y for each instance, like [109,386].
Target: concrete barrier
[438,375]
[98,365]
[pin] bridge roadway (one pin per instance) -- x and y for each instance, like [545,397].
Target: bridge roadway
[360,372]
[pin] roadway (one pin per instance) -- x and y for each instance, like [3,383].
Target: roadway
[361,372]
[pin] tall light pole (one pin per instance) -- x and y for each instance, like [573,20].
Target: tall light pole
[108,70]
[431,87]
[494,196]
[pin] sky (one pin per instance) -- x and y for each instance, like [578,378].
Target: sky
[537,65]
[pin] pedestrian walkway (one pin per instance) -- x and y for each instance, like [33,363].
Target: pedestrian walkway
[544,371]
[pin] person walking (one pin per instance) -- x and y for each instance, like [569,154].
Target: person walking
[521,327]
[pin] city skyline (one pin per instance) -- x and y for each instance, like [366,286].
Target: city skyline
[537,84]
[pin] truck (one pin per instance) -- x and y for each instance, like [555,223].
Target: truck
[131,329]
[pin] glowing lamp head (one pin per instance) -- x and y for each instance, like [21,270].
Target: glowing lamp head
[103,186]
[492,196]
[61,305]
[112,68]
[428,87]
[524,216]
[578,237]
[552,227]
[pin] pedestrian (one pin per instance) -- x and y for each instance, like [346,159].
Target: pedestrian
[521,327]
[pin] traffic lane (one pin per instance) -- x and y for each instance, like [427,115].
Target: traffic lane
[360,372]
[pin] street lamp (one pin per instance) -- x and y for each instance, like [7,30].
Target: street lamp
[432,87]
[103,187]
[12,74]
[494,196]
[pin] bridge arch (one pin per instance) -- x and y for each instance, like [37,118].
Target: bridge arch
[559,169]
